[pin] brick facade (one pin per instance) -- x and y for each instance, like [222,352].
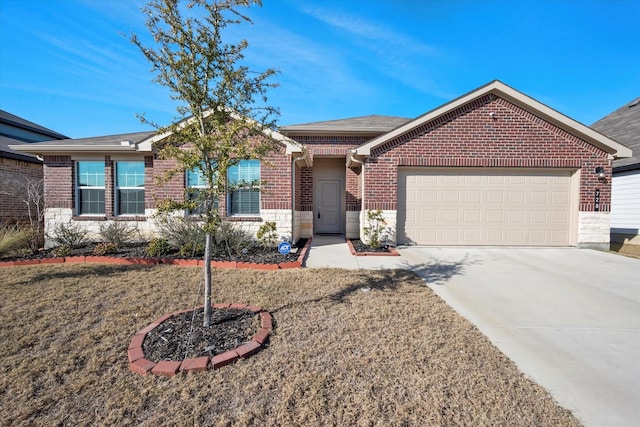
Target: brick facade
[14,176]
[469,137]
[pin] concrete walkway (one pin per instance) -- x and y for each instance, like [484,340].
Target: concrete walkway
[569,318]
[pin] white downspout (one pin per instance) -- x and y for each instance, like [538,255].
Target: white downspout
[293,191]
[352,159]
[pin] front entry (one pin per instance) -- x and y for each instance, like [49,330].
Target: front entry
[328,213]
[328,195]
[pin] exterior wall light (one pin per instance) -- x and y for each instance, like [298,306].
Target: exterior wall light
[600,173]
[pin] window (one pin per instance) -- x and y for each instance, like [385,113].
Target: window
[195,182]
[129,194]
[243,192]
[90,188]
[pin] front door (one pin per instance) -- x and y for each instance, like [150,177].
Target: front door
[328,215]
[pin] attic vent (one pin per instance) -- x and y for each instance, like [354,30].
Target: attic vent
[634,103]
[126,143]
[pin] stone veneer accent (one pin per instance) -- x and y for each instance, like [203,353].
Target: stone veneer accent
[593,230]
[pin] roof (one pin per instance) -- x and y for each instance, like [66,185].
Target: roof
[368,125]
[8,153]
[623,125]
[615,149]
[121,142]
[8,118]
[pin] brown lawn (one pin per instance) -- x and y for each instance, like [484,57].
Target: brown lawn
[396,355]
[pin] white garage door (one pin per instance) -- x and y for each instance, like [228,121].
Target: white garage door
[456,206]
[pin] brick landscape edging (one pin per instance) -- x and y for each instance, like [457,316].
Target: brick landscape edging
[169,368]
[391,251]
[165,261]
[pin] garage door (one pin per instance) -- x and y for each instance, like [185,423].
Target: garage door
[498,207]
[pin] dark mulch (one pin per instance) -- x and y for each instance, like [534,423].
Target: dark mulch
[256,254]
[183,336]
[360,246]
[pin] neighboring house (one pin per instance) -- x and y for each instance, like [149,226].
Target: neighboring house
[623,125]
[493,167]
[17,169]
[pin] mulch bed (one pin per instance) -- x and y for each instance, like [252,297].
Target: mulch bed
[256,255]
[183,336]
[360,247]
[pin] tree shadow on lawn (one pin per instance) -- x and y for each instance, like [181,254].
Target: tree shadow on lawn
[84,270]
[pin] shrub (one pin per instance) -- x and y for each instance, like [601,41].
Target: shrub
[117,232]
[373,232]
[180,231]
[267,234]
[191,250]
[12,239]
[105,248]
[62,251]
[229,240]
[70,234]
[158,247]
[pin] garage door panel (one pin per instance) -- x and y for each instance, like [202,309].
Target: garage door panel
[457,206]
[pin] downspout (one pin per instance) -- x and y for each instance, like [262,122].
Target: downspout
[352,159]
[293,189]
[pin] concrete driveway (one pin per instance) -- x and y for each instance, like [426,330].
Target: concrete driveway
[569,318]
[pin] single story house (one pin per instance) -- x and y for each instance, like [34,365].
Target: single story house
[623,125]
[493,167]
[19,169]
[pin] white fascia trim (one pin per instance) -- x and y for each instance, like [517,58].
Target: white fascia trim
[291,145]
[73,148]
[612,147]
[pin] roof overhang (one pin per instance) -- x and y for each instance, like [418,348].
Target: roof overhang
[613,148]
[53,149]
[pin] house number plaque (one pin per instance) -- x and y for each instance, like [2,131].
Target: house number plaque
[596,200]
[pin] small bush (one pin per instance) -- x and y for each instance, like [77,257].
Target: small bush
[70,234]
[62,251]
[117,232]
[12,240]
[229,240]
[191,250]
[158,247]
[267,234]
[373,233]
[105,248]
[180,231]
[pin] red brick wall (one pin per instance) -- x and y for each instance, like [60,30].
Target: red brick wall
[470,137]
[331,146]
[58,182]
[14,175]
[275,173]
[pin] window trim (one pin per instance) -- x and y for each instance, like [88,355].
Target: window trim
[79,188]
[255,185]
[117,188]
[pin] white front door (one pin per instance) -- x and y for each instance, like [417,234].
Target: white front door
[328,215]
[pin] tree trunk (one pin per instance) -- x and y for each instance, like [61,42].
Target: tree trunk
[207,281]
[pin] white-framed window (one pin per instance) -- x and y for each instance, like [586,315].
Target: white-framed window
[243,188]
[90,187]
[194,182]
[129,188]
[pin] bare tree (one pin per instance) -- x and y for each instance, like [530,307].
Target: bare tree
[222,103]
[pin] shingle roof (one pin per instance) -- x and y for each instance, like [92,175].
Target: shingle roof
[373,124]
[98,143]
[6,117]
[623,125]
[8,153]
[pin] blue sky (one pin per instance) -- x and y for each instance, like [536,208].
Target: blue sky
[65,64]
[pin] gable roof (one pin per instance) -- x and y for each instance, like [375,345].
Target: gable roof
[364,125]
[623,125]
[615,149]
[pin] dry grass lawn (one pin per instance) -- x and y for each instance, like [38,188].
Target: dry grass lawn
[397,355]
